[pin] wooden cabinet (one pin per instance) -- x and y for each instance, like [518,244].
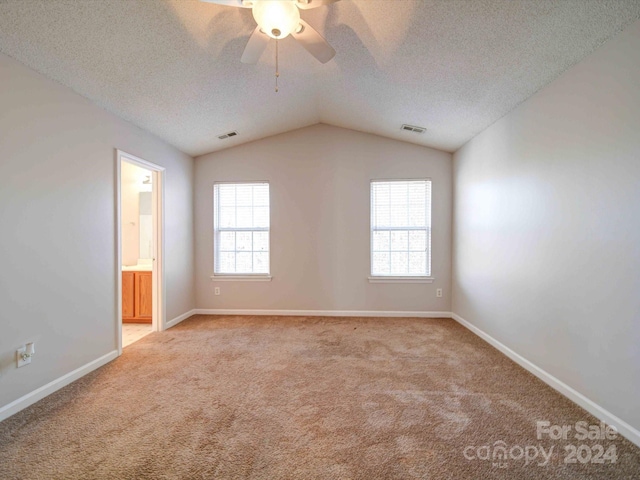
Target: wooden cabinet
[128,295]
[143,295]
[136,297]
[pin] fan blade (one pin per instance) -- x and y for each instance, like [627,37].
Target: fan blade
[307,4]
[255,46]
[314,43]
[230,3]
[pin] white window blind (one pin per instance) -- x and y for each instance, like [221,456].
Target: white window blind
[401,228]
[241,228]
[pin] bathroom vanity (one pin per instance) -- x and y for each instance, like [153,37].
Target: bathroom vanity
[136,296]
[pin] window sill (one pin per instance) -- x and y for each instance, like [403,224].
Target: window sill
[391,279]
[241,278]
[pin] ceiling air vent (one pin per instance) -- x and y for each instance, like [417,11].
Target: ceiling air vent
[413,128]
[227,135]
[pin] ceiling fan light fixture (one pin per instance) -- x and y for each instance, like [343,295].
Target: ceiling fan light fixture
[277,18]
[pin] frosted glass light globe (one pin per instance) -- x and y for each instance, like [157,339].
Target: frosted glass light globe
[277,18]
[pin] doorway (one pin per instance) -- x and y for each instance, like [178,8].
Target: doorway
[139,263]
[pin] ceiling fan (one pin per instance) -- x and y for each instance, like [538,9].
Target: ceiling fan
[278,19]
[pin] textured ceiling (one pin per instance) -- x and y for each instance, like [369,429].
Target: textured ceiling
[173,67]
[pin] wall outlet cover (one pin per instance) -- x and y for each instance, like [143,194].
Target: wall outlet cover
[20,362]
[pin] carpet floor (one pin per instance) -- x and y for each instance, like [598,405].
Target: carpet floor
[309,398]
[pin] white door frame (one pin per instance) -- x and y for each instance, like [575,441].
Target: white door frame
[158,315]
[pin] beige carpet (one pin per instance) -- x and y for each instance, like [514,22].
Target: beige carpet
[305,398]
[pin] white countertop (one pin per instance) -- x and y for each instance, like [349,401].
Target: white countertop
[136,268]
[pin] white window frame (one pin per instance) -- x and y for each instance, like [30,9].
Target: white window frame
[401,278]
[248,277]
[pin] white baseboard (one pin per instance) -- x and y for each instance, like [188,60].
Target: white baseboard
[323,313]
[590,406]
[179,319]
[39,393]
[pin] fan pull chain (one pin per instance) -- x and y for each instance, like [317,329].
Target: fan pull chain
[277,72]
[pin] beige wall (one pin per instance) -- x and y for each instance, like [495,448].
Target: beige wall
[547,228]
[319,179]
[57,218]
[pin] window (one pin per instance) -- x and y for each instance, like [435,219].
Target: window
[401,229]
[241,229]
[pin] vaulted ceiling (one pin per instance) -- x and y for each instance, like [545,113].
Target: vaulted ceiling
[173,67]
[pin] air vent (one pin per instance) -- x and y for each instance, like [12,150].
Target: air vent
[413,128]
[227,135]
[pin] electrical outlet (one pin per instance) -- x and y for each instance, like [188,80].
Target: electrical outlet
[216,291]
[438,292]
[21,359]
